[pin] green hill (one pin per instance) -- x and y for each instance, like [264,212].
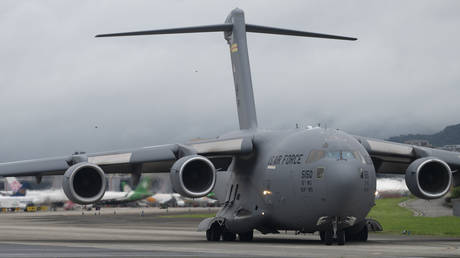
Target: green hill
[450,135]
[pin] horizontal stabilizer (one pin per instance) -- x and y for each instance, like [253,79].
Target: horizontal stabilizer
[273,30]
[207,28]
[227,27]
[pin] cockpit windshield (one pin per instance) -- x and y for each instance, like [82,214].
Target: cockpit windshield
[316,155]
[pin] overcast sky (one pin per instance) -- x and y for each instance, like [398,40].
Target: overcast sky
[58,83]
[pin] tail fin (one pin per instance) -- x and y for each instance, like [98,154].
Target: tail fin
[235,29]
[143,186]
[125,187]
[16,187]
[13,184]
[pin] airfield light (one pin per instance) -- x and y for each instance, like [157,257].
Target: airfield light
[266,192]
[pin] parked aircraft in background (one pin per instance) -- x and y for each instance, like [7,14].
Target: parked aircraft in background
[176,200]
[166,200]
[13,202]
[22,197]
[391,187]
[201,202]
[306,180]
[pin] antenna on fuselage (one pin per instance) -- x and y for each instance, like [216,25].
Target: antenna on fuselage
[235,29]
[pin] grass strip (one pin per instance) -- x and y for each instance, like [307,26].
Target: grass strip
[396,219]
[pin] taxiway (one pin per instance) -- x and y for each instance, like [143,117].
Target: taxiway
[157,233]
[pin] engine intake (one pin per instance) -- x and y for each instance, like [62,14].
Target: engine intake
[428,178]
[193,176]
[84,183]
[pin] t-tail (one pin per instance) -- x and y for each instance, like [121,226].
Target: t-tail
[235,29]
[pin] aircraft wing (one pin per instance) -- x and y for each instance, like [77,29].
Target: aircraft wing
[392,157]
[151,159]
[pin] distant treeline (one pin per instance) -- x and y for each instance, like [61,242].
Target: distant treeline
[449,136]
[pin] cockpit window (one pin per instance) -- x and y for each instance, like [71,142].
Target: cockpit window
[333,155]
[315,155]
[341,155]
[348,155]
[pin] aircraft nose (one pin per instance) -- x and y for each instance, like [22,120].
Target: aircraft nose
[344,188]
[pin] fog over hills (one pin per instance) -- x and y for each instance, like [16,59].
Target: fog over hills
[448,136]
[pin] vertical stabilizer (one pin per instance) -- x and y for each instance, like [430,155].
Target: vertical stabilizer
[236,39]
[235,29]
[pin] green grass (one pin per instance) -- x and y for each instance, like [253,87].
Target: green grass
[189,215]
[396,219]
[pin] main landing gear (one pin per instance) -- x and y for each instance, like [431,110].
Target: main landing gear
[341,236]
[328,237]
[360,236]
[216,232]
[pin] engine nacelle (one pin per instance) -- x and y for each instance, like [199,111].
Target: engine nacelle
[428,178]
[193,176]
[84,183]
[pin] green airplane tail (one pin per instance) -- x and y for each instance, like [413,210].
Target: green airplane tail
[143,186]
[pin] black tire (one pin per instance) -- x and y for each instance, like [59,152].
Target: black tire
[349,237]
[340,237]
[214,233]
[246,237]
[321,236]
[208,235]
[228,236]
[363,234]
[328,237]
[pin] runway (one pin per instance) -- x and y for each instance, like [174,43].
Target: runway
[155,233]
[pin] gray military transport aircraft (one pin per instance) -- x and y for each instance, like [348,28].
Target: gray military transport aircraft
[307,180]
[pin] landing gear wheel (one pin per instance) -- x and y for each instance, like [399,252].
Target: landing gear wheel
[246,237]
[321,236]
[340,237]
[214,233]
[362,235]
[228,236]
[328,237]
[349,236]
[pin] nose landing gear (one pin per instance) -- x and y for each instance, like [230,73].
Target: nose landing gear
[216,232]
[334,232]
[357,233]
[327,237]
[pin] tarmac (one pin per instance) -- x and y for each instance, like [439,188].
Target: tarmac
[428,208]
[152,232]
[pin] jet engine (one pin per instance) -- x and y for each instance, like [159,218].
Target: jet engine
[193,176]
[84,183]
[428,178]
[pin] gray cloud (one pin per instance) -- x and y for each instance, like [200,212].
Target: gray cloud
[57,82]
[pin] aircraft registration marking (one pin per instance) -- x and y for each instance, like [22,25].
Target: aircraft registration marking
[110,159]
[234,48]
[306,181]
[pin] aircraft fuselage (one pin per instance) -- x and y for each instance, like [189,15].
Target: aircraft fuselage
[300,180]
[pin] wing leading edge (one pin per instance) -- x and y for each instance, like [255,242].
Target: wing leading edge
[153,159]
[392,157]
